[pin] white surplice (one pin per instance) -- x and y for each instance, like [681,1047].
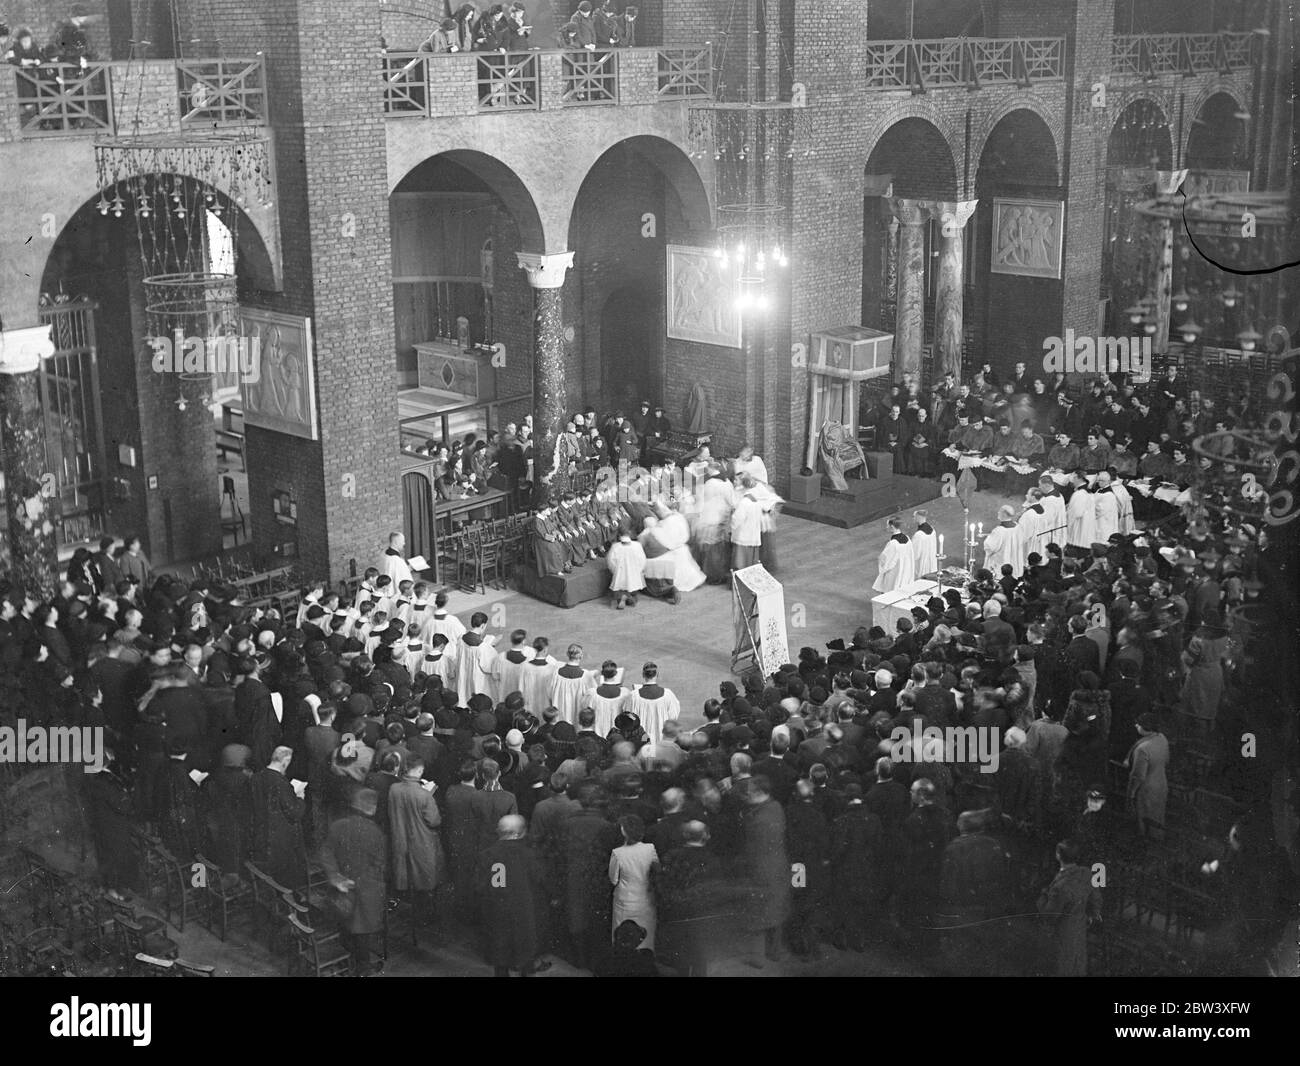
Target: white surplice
[1002,546]
[652,712]
[925,551]
[474,670]
[1105,516]
[1081,519]
[897,566]
[568,694]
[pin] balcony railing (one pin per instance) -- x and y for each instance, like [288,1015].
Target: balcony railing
[57,98]
[1152,55]
[421,83]
[64,99]
[221,92]
[963,62]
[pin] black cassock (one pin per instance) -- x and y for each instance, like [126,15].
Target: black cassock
[278,848]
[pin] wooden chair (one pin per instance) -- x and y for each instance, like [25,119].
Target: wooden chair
[269,903]
[316,954]
[142,933]
[180,895]
[151,966]
[227,895]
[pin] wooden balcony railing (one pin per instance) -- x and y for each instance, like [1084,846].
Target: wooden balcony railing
[1151,55]
[963,62]
[192,94]
[221,92]
[438,85]
[58,98]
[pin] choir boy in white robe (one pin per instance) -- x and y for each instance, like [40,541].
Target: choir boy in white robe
[393,563]
[311,598]
[749,463]
[1033,524]
[1106,513]
[366,590]
[925,542]
[414,644]
[1003,545]
[509,666]
[438,662]
[626,560]
[474,660]
[606,699]
[652,703]
[746,527]
[1054,525]
[1080,515]
[1125,502]
[897,566]
[536,676]
[440,621]
[402,605]
[421,606]
[385,594]
[570,686]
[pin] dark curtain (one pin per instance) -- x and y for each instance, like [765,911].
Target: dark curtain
[417,503]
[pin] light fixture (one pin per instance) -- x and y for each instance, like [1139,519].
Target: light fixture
[1148,325]
[102,206]
[1180,300]
[1190,330]
[1230,296]
[1241,115]
[117,205]
[1248,338]
[1135,312]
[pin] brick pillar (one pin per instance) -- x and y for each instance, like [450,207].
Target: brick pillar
[948,287]
[546,275]
[909,332]
[29,511]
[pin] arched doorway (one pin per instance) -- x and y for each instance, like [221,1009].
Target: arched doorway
[1011,314]
[642,195]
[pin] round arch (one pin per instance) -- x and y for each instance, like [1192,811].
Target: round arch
[1035,131]
[919,157]
[1132,121]
[1215,137]
[500,180]
[678,170]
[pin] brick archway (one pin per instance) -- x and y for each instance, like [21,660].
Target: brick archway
[1130,103]
[1211,125]
[926,113]
[1025,112]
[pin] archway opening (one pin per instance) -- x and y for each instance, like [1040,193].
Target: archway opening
[1012,309]
[1218,138]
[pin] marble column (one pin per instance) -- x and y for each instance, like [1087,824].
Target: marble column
[550,401]
[1164,286]
[909,329]
[31,506]
[952,219]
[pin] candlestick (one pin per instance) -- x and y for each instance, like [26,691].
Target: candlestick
[940,543]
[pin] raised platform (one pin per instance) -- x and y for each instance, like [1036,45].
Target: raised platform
[590,581]
[866,500]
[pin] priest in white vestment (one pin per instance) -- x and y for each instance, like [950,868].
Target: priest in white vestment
[749,463]
[509,665]
[570,685]
[474,660]
[897,565]
[626,561]
[1054,524]
[1004,545]
[652,704]
[925,545]
[746,527]
[1033,526]
[393,563]
[1125,503]
[1106,510]
[666,541]
[536,676]
[606,699]
[1080,515]
[440,621]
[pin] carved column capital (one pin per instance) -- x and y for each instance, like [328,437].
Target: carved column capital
[950,214]
[908,212]
[545,271]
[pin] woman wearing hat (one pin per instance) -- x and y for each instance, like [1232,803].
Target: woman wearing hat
[1203,686]
[1148,790]
[630,870]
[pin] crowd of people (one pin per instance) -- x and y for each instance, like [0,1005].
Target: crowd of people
[595,25]
[558,811]
[66,45]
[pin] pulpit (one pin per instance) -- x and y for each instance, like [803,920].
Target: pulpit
[838,362]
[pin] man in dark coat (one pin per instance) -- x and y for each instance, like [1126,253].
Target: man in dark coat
[587,839]
[692,894]
[926,832]
[459,837]
[511,889]
[414,822]
[355,854]
[766,864]
[226,800]
[1072,901]
[278,848]
[855,845]
[109,811]
[260,727]
[810,855]
[975,885]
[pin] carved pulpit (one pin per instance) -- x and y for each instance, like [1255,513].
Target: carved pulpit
[838,362]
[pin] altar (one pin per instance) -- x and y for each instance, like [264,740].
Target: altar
[889,607]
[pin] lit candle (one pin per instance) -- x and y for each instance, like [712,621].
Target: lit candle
[940,543]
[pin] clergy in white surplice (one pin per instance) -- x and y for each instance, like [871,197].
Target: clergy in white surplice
[474,660]
[570,685]
[897,565]
[509,665]
[1106,510]
[1081,515]
[536,676]
[652,704]
[393,562]
[1125,503]
[1033,525]
[438,661]
[1054,526]
[1004,545]
[440,621]
[606,699]
[925,545]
